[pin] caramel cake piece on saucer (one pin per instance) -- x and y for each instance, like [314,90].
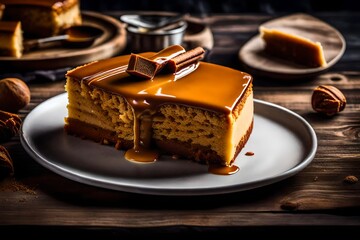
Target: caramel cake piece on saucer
[293,47]
[168,102]
[43,18]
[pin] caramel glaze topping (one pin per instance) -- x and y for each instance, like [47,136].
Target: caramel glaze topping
[211,87]
[58,5]
[223,170]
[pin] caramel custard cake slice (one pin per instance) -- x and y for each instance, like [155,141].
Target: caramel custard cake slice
[293,47]
[202,111]
[43,18]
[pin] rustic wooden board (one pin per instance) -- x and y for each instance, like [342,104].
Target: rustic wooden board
[258,62]
[112,42]
[315,202]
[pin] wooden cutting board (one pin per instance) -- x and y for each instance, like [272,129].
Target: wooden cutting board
[111,43]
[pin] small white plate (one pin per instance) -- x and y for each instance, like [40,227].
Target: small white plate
[283,143]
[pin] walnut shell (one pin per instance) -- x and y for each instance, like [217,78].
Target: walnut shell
[14,94]
[328,100]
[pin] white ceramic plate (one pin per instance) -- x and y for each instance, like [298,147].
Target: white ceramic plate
[283,143]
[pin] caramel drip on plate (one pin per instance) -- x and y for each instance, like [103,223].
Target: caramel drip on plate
[249,154]
[142,151]
[223,170]
[208,86]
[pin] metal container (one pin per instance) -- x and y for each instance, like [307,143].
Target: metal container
[143,40]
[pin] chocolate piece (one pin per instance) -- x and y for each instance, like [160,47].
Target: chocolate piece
[148,67]
[142,67]
[186,59]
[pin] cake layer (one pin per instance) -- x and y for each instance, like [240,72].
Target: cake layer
[199,153]
[98,108]
[42,18]
[196,152]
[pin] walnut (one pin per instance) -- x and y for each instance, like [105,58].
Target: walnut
[351,179]
[328,100]
[14,94]
[9,125]
[6,163]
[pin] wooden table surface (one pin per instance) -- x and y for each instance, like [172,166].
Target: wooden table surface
[38,202]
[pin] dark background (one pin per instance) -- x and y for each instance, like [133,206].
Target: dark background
[222,6]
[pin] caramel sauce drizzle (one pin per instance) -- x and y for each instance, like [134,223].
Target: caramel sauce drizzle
[142,151]
[249,153]
[223,170]
[146,96]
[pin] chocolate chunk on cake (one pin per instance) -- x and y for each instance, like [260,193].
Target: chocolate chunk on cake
[198,111]
[43,18]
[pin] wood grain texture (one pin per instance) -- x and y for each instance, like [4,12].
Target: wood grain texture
[314,199]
